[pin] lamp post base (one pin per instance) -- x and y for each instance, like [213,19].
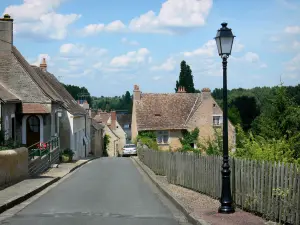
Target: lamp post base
[226,209]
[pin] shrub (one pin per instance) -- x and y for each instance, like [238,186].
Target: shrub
[148,138]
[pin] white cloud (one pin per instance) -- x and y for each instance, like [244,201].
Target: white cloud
[237,46]
[129,42]
[251,57]
[263,65]
[168,65]
[92,29]
[156,78]
[208,49]
[139,56]
[293,64]
[292,68]
[38,19]
[292,30]
[70,50]
[98,65]
[296,44]
[173,14]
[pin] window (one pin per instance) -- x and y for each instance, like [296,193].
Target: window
[217,120]
[34,124]
[126,126]
[163,137]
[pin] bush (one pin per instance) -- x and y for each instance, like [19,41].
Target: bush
[148,138]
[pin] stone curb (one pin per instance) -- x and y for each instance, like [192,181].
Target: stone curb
[189,215]
[28,195]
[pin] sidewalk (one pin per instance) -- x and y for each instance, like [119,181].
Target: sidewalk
[15,194]
[199,208]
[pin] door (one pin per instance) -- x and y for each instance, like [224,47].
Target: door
[33,130]
[13,136]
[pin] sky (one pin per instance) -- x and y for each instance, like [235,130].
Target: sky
[109,46]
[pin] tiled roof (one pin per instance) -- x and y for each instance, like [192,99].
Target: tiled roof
[17,77]
[124,119]
[96,125]
[166,111]
[68,102]
[34,108]
[102,117]
[7,96]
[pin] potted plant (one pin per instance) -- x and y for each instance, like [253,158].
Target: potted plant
[67,155]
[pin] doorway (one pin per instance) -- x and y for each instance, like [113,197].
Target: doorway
[33,130]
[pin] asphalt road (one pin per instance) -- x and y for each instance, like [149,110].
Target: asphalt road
[106,191]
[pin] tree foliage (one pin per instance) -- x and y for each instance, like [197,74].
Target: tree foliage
[123,102]
[186,78]
[76,92]
[267,121]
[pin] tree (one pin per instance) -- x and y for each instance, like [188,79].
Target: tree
[186,79]
[76,91]
[247,108]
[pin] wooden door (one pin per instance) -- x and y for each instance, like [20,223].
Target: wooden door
[33,130]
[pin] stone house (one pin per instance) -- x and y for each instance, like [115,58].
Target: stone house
[29,107]
[169,114]
[125,122]
[35,104]
[74,125]
[114,130]
[97,138]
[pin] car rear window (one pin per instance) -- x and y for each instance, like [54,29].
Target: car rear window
[129,146]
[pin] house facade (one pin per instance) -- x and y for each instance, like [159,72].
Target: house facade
[34,105]
[125,122]
[169,114]
[114,130]
[29,104]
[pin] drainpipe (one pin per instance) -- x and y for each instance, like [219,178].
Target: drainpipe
[115,147]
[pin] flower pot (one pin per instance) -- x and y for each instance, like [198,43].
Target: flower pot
[65,158]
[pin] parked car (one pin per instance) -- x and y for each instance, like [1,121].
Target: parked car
[129,149]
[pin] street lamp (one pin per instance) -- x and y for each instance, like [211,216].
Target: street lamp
[224,41]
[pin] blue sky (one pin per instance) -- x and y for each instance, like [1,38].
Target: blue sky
[108,46]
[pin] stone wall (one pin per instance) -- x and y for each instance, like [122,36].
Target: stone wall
[13,166]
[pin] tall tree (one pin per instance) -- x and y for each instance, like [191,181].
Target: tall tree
[185,78]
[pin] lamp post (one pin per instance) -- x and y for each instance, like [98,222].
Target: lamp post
[224,40]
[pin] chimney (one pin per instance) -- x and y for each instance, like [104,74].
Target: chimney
[181,89]
[113,117]
[6,33]
[43,65]
[205,93]
[136,93]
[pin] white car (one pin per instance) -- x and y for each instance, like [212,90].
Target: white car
[129,149]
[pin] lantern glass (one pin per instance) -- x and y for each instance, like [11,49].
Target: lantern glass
[226,45]
[218,41]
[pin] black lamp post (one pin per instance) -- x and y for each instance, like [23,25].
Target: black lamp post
[224,41]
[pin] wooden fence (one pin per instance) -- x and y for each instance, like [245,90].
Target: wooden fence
[269,189]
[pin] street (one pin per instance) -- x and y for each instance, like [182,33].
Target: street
[106,191]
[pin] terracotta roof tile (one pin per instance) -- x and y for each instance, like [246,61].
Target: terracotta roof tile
[166,111]
[34,108]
